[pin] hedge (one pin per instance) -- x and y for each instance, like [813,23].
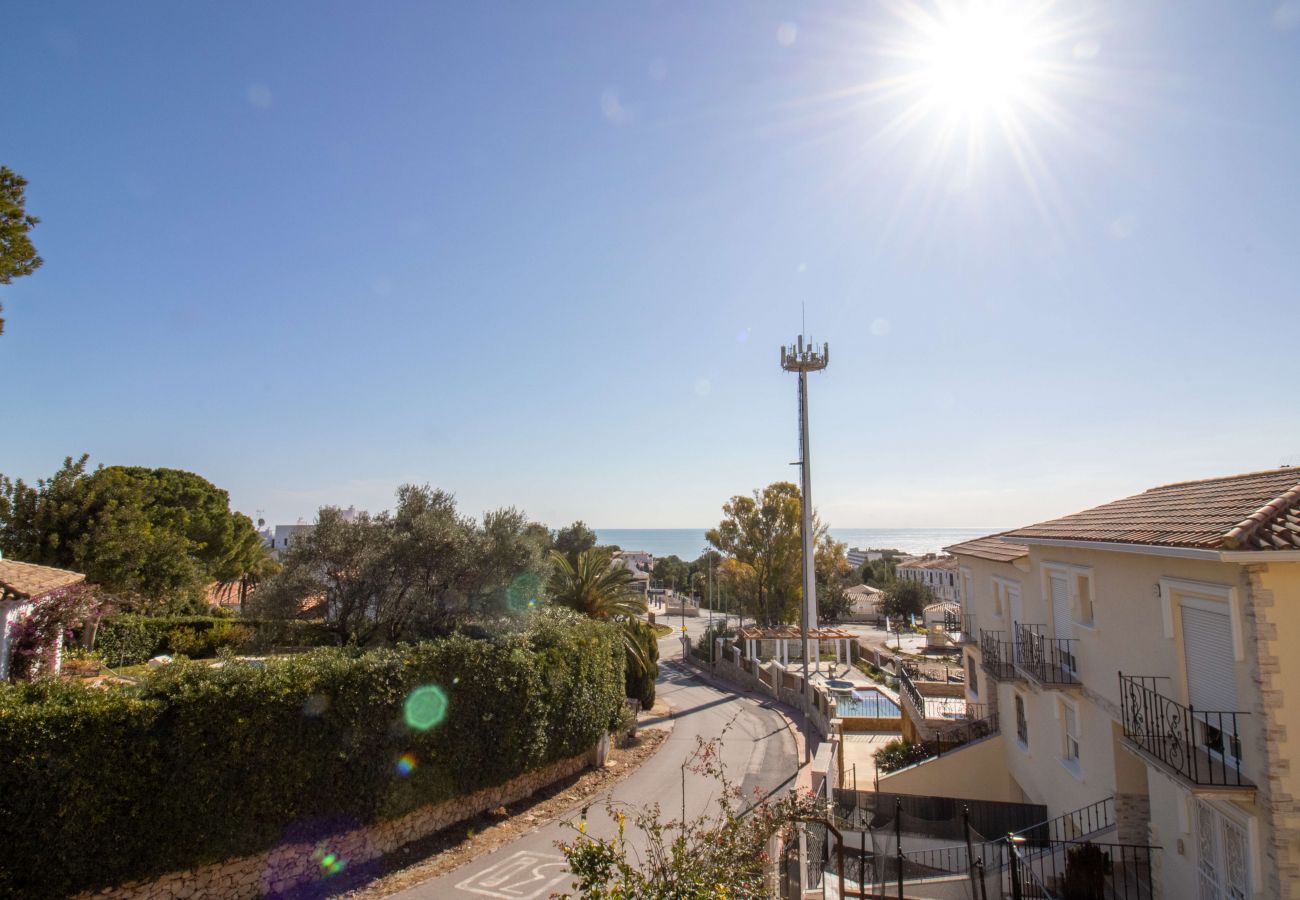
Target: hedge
[199,764]
[128,640]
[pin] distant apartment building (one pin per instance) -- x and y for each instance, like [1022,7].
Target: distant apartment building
[935,571]
[1146,654]
[285,536]
[858,558]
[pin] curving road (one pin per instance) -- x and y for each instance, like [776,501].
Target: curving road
[759,751]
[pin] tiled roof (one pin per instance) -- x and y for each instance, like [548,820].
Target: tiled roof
[22,581]
[990,547]
[1255,511]
[929,561]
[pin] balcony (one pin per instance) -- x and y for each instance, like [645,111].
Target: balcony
[997,655]
[1051,662]
[961,624]
[1203,748]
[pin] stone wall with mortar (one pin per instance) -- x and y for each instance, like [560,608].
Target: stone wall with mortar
[294,866]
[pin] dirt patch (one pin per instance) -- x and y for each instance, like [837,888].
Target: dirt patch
[450,849]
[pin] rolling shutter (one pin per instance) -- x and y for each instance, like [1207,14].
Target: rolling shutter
[1207,651]
[1061,616]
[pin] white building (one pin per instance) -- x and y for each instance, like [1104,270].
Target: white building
[858,558]
[937,572]
[1140,659]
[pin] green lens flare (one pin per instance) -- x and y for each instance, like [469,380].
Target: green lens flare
[426,707]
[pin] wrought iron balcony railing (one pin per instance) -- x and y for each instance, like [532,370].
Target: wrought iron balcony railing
[996,654]
[1049,661]
[1203,747]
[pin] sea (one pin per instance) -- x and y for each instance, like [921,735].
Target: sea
[689,543]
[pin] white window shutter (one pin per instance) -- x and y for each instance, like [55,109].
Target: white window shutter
[1207,650]
[1061,613]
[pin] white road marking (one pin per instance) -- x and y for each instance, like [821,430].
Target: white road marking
[512,878]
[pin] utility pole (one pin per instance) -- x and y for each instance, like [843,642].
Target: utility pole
[801,359]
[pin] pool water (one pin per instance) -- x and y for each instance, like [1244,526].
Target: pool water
[868,703]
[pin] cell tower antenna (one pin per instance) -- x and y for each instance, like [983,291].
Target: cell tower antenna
[804,358]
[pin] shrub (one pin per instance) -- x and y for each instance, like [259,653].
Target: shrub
[198,764]
[128,640]
[639,681]
[899,754]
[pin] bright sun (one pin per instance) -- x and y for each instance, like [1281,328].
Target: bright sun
[976,59]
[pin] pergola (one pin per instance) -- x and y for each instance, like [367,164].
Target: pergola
[787,633]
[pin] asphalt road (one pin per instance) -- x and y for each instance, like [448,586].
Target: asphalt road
[759,752]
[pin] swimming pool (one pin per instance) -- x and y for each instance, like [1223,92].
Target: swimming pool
[867,703]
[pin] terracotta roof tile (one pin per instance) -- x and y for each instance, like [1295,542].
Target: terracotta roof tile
[23,581]
[990,547]
[1255,511]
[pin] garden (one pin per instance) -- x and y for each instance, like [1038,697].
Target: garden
[208,763]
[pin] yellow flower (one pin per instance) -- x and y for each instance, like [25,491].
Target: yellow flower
[582,827]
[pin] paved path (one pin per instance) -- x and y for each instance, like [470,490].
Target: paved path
[758,749]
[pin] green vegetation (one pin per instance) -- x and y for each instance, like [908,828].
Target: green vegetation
[761,539]
[906,598]
[17,253]
[899,754]
[208,763]
[721,854]
[420,571]
[127,640]
[573,539]
[154,539]
[598,587]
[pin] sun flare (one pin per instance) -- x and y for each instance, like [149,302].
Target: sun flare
[976,59]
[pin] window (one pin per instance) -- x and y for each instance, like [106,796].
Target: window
[1083,599]
[1069,734]
[1006,598]
[972,676]
[1222,855]
[1022,724]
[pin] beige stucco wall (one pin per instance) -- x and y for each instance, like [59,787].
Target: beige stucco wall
[977,771]
[1137,630]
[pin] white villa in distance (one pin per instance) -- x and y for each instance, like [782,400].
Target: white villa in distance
[1147,650]
[937,572]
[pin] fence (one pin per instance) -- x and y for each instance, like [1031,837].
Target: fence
[1049,859]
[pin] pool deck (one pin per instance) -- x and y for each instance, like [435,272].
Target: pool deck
[860,756]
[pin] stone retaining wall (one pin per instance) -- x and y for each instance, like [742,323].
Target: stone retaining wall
[292,866]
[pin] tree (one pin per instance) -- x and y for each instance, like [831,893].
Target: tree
[574,539]
[832,567]
[672,571]
[17,252]
[880,572]
[598,587]
[760,535]
[160,536]
[906,598]
[248,565]
[420,571]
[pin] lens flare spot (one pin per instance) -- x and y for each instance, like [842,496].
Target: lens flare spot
[522,593]
[315,705]
[425,707]
[406,764]
[330,863]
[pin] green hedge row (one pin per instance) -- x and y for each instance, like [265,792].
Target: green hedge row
[128,640]
[199,764]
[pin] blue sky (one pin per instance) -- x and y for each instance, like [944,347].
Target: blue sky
[545,255]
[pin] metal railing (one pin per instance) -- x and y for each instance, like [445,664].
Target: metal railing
[1052,661]
[1203,747]
[996,655]
[1068,869]
[907,688]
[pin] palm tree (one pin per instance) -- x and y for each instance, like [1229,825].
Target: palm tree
[595,586]
[247,566]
